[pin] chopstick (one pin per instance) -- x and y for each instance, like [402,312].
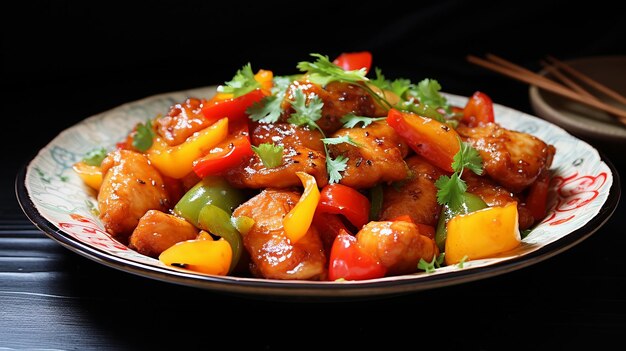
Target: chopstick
[584,78]
[512,70]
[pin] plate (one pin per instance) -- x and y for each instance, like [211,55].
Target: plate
[579,119]
[584,194]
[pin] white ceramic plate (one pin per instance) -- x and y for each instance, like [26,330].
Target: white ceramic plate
[579,119]
[584,194]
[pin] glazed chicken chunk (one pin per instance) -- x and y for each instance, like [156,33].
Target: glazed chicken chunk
[272,254]
[377,157]
[302,152]
[415,196]
[130,187]
[158,231]
[339,100]
[513,159]
[397,245]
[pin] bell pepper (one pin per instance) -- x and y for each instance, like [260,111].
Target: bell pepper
[297,222]
[177,161]
[483,233]
[265,79]
[537,199]
[200,255]
[217,221]
[348,261]
[90,175]
[351,61]
[470,203]
[223,157]
[435,141]
[341,199]
[210,190]
[478,110]
[233,108]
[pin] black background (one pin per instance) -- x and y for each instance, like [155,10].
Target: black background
[64,61]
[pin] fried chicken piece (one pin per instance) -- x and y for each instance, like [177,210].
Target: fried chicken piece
[303,151]
[513,159]
[378,157]
[158,231]
[339,99]
[181,122]
[415,196]
[272,254]
[398,245]
[130,187]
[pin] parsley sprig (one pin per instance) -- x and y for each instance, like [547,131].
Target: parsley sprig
[451,188]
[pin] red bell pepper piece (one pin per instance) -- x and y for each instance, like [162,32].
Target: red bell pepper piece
[228,154]
[435,141]
[537,198]
[350,262]
[350,61]
[478,110]
[329,226]
[234,108]
[341,199]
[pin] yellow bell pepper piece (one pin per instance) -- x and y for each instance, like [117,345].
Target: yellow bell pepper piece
[297,222]
[177,161]
[200,255]
[91,175]
[482,234]
[265,77]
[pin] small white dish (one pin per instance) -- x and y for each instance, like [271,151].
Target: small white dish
[579,119]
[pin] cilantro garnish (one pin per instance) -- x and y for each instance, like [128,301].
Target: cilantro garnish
[340,140]
[323,71]
[430,267]
[242,83]
[307,114]
[95,156]
[269,109]
[143,136]
[351,120]
[452,188]
[271,155]
[427,92]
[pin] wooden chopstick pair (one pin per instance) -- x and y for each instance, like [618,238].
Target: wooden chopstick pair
[570,90]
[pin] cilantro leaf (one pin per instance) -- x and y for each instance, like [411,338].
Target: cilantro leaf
[467,157]
[271,155]
[427,92]
[430,267]
[334,166]
[306,113]
[269,109]
[380,81]
[351,120]
[323,71]
[242,83]
[340,140]
[143,136]
[450,190]
[95,156]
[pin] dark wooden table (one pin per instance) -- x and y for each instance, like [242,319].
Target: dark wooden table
[52,298]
